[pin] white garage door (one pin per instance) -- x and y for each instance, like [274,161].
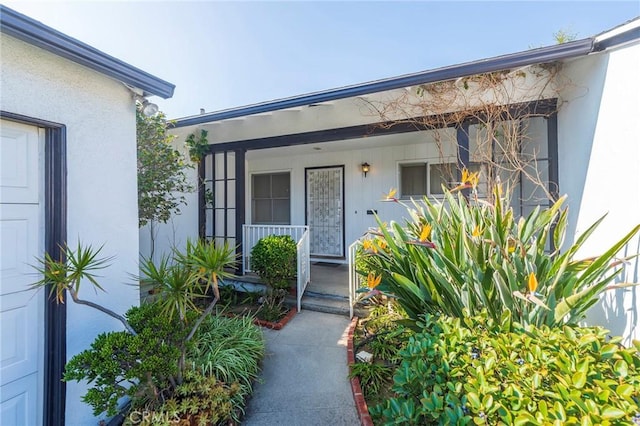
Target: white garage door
[21,312]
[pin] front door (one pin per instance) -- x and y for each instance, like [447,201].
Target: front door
[21,310]
[325,210]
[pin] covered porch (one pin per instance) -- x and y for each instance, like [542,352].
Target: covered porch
[300,164]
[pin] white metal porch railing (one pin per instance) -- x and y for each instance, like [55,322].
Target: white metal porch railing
[304,266]
[300,234]
[354,278]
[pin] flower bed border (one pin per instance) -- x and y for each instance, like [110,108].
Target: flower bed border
[356,389]
[268,324]
[277,325]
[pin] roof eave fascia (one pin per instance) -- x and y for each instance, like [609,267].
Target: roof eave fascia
[37,34]
[629,36]
[515,60]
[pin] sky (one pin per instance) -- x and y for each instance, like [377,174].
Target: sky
[229,54]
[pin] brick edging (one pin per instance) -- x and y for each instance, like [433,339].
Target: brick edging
[356,389]
[268,324]
[277,325]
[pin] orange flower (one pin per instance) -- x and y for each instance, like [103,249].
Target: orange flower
[373,280]
[382,244]
[425,233]
[423,239]
[391,195]
[476,231]
[369,246]
[532,283]
[469,180]
[530,296]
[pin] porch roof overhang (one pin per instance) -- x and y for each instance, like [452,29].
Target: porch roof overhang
[339,113]
[37,34]
[500,63]
[543,107]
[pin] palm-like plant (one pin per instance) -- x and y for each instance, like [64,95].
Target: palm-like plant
[464,255]
[179,282]
[66,276]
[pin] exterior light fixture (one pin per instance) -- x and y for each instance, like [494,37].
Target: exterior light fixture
[148,108]
[365,168]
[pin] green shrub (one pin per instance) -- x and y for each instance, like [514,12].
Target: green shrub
[123,364]
[199,400]
[382,335]
[272,308]
[468,254]
[229,349]
[479,371]
[273,258]
[373,377]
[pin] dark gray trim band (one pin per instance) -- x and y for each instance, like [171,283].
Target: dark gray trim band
[55,237]
[240,205]
[462,137]
[37,34]
[542,107]
[498,63]
[552,155]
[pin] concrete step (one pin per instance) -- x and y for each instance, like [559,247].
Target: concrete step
[318,302]
[326,303]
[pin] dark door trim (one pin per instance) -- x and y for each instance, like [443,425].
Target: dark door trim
[55,207]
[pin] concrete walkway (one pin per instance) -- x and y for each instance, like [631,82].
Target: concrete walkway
[304,378]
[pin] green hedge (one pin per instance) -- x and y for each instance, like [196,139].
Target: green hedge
[478,371]
[273,258]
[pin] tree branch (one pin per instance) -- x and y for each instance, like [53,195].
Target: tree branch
[203,316]
[102,309]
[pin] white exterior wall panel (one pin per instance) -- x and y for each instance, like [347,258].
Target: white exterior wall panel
[599,156]
[101,183]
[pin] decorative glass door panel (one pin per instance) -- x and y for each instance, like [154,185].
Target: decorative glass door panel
[325,218]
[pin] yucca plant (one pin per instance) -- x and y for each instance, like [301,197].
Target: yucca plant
[186,277]
[64,277]
[469,254]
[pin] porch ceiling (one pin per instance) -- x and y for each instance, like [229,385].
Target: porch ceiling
[365,143]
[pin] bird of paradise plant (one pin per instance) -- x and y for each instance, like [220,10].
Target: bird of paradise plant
[465,255]
[469,180]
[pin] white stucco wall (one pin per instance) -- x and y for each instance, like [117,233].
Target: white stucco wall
[599,156]
[99,115]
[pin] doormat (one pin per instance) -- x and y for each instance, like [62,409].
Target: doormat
[326,264]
